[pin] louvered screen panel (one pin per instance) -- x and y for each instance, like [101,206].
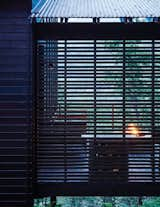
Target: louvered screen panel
[98,111]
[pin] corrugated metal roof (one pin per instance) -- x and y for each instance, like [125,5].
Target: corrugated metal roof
[98,8]
[37,5]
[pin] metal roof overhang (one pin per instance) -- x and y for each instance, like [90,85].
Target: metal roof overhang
[44,17]
[96,8]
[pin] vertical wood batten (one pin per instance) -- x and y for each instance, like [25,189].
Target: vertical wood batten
[153,112]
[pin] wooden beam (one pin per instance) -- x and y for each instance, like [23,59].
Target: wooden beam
[95,189]
[49,31]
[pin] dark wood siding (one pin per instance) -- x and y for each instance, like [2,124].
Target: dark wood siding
[15,103]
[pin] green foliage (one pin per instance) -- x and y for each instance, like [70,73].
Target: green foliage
[45,202]
[136,60]
[58,205]
[99,201]
[107,205]
[154,202]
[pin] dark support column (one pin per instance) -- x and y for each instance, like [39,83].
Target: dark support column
[53,201]
[140,201]
[35,90]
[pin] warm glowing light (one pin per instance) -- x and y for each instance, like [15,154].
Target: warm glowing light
[133,129]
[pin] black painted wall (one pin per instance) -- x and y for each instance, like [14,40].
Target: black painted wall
[15,103]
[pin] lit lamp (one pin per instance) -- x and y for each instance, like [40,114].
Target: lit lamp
[133,129]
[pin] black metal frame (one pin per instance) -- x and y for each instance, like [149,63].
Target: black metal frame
[71,31]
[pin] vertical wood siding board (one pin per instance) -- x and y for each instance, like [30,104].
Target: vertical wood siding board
[15,41]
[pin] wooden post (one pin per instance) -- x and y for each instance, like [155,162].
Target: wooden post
[53,201]
[140,202]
